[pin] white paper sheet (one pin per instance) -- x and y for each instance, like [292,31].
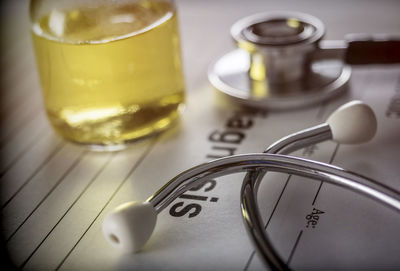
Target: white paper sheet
[54,195]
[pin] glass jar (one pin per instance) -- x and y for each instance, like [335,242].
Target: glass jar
[110,71]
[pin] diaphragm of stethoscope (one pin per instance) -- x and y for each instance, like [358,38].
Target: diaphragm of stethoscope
[283,63]
[230,75]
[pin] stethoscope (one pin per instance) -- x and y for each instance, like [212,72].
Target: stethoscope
[283,62]
[130,225]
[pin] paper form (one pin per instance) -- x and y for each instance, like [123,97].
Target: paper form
[54,195]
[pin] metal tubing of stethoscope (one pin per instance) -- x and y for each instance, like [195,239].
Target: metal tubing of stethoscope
[252,180]
[285,145]
[301,139]
[276,163]
[251,215]
[257,165]
[294,142]
[255,225]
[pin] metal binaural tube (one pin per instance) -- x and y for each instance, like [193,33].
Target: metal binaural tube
[301,139]
[276,163]
[285,145]
[257,165]
[250,213]
[251,216]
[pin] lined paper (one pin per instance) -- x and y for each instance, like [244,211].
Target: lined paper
[54,194]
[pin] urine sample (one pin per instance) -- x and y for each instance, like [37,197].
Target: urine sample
[110,71]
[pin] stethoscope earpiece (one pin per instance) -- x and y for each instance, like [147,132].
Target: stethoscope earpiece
[352,123]
[130,225]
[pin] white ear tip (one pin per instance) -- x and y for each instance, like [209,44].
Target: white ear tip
[353,123]
[130,225]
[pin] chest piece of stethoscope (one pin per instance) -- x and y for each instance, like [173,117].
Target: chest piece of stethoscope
[276,65]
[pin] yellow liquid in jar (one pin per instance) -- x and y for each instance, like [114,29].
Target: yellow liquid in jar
[110,74]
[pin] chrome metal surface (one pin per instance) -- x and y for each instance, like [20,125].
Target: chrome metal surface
[278,28]
[301,139]
[330,49]
[292,143]
[326,79]
[250,212]
[276,163]
[284,40]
